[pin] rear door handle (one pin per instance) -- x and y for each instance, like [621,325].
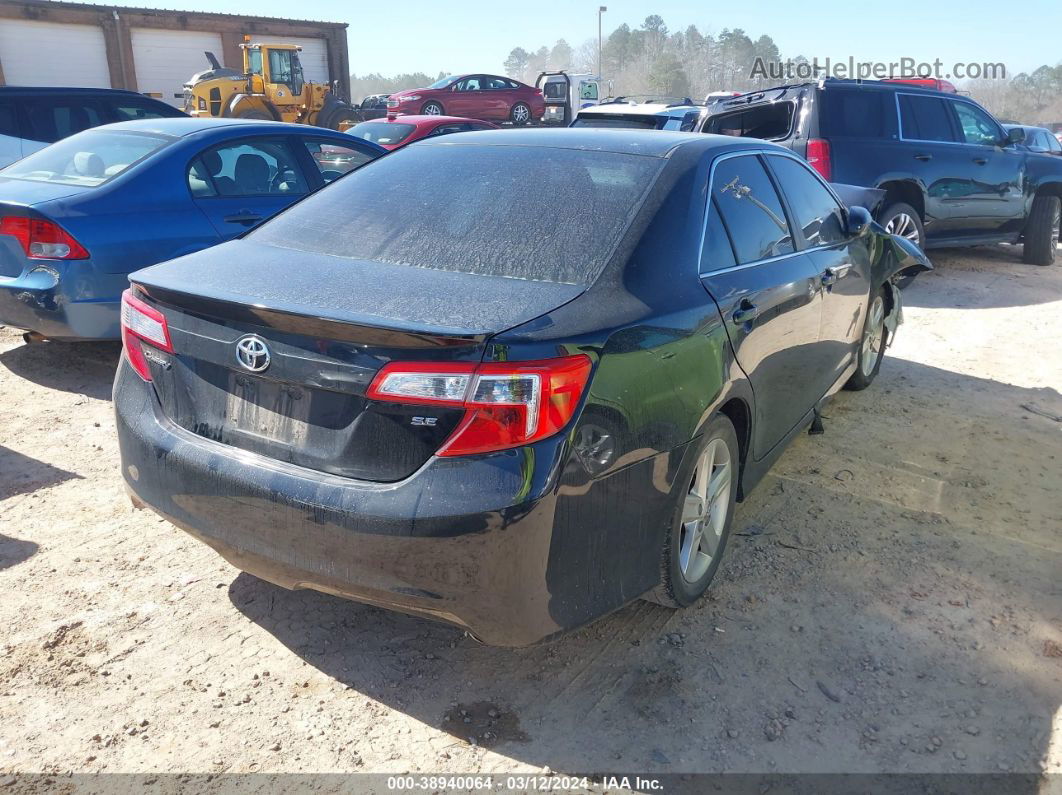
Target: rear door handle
[980,161]
[923,158]
[745,312]
[245,217]
[835,272]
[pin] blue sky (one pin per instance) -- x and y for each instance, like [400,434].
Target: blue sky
[471,35]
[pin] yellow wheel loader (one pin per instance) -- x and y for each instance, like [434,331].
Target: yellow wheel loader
[271,87]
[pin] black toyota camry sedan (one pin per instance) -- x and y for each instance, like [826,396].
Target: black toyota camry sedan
[509,380]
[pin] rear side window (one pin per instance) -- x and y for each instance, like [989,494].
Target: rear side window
[54,118]
[519,212]
[88,160]
[716,253]
[8,122]
[768,122]
[857,114]
[925,119]
[751,209]
[814,208]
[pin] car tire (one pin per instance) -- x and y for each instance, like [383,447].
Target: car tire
[906,219]
[1041,230]
[341,115]
[685,574]
[872,344]
[432,109]
[520,114]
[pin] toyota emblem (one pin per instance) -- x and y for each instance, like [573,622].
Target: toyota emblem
[252,353]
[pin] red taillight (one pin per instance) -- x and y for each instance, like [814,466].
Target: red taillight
[142,323]
[819,157]
[507,404]
[42,239]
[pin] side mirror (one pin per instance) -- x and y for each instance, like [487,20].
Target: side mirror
[1015,135]
[859,219]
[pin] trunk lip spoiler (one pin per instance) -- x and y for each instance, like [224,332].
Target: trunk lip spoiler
[220,309]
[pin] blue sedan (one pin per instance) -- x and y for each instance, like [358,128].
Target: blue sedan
[77,217]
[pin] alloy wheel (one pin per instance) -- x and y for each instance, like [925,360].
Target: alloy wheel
[903,225]
[432,109]
[705,511]
[520,114]
[873,336]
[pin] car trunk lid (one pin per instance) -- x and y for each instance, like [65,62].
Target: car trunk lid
[325,343]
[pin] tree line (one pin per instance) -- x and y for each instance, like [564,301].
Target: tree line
[651,59]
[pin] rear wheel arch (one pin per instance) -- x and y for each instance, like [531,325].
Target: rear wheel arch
[904,190]
[737,411]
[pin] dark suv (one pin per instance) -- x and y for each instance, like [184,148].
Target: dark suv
[952,174]
[33,117]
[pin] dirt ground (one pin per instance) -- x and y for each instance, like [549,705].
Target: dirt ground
[892,600]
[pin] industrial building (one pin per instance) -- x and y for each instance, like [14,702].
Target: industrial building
[45,43]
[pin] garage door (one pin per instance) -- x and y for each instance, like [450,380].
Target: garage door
[166,59]
[314,57]
[53,54]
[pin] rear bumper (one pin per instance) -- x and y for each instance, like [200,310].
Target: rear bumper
[463,540]
[38,300]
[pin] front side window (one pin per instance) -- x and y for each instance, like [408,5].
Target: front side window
[248,168]
[469,84]
[976,125]
[88,159]
[280,68]
[1053,144]
[128,111]
[751,209]
[925,119]
[815,210]
[334,160]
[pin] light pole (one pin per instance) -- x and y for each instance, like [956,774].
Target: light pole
[600,10]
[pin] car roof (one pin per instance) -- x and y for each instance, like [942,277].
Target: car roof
[182,126]
[761,94]
[71,90]
[653,143]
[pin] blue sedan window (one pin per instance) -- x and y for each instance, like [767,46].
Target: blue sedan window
[87,159]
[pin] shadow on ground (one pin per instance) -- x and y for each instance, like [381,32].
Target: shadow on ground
[990,277]
[885,605]
[20,474]
[85,368]
[14,551]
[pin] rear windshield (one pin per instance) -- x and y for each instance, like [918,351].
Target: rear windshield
[769,122]
[87,159]
[384,133]
[622,122]
[554,89]
[519,212]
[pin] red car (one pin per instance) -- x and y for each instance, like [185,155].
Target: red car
[487,97]
[393,132]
